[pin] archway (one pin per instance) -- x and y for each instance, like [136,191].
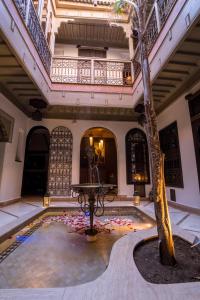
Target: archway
[137,160]
[36,162]
[105,146]
[60,163]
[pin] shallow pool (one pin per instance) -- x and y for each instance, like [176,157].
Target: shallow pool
[52,252]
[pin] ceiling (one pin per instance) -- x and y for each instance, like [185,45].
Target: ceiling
[90,34]
[15,84]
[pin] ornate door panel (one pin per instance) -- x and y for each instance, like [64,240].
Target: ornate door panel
[60,162]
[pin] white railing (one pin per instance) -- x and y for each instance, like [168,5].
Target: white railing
[90,71]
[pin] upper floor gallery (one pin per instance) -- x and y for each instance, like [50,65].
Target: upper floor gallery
[81,53]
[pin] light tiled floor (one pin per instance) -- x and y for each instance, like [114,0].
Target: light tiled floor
[192,223]
[6,218]
[18,209]
[11,212]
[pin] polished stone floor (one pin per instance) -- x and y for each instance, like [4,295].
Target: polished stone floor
[53,257]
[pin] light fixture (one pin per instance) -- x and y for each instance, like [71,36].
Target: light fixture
[99,149]
[91,140]
[101,145]
[38,104]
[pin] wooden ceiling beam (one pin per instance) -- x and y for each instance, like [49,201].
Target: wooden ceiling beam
[169,78]
[182,63]
[176,72]
[164,85]
[188,53]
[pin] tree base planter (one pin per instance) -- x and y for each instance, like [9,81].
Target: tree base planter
[187,269]
[91,235]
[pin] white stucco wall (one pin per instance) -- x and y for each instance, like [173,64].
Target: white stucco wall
[117,53]
[179,111]
[78,129]
[12,171]
[72,50]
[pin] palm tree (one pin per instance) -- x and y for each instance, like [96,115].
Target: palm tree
[166,243]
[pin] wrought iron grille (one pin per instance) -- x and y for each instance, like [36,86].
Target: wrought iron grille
[136,64]
[152,31]
[154,24]
[60,162]
[30,17]
[38,37]
[165,7]
[22,7]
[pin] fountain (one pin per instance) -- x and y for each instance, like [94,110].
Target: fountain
[91,195]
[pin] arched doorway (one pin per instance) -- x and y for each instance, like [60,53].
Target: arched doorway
[137,160]
[103,141]
[60,162]
[36,162]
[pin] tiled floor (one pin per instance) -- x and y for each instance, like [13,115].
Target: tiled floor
[185,220]
[6,218]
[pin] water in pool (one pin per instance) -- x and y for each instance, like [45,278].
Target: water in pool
[53,252]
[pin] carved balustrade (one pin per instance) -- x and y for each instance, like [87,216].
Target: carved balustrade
[30,18]
[91,71]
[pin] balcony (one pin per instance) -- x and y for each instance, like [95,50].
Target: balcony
[157,18]
[30,17]
[91,71]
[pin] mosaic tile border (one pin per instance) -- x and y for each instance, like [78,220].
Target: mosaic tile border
[4,254]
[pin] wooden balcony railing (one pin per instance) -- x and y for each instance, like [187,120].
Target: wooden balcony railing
[155,22]
[32,22]
[91,71]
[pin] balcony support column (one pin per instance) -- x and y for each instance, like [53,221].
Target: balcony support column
[27,11]
[92,71]
[157,15]
[40,9]
[129,35]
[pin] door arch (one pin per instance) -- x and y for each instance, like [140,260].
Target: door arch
[108,160]
[60,162]
[36,162]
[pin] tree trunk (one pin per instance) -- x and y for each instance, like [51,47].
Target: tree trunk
[166,244]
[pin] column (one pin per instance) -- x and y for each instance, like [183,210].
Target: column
[40,8]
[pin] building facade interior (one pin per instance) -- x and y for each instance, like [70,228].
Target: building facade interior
[71,81]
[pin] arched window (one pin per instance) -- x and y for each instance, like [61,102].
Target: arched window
[137,159]
[60,163]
